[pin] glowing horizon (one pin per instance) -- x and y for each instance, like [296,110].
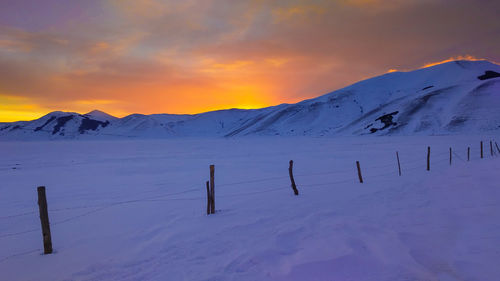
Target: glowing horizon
[188,57]
[14,115]
[466,57]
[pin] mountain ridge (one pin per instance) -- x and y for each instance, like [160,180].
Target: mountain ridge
[453,97]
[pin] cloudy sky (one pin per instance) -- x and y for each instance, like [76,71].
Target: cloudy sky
[187,56]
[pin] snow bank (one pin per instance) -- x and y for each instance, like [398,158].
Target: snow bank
[128,210]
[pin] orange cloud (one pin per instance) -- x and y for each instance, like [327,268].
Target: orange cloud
[213,66]
[12,45]
[99,47]
[360,2]
[277,62]
[288,13]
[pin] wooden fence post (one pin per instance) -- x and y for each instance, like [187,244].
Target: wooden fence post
[468,153]
[399,164]
[359,172]
[44,220]
[481,149]
[428,158]
[450,156]
[290,173]
[209,199]
[212,189]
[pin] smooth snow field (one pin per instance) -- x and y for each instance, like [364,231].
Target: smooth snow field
[136,210]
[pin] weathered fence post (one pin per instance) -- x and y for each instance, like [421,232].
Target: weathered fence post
[481,149]
[468,153]
[44,220]
[399,164]
[428,158]
[450,156]
[212,189]
[209,199]
[290,173]
[359,172]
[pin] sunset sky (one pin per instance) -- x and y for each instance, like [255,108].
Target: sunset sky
[186,56]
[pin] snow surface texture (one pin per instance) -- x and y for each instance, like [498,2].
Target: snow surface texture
[135,210]
[452,98]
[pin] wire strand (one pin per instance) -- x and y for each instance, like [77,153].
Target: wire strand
[20,254]
[18,215]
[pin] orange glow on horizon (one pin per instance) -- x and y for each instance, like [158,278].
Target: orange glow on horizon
[17,115]
[466,57]
[225,87]
[151,99]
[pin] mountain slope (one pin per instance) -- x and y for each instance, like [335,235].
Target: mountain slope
[445,98]
[454,97]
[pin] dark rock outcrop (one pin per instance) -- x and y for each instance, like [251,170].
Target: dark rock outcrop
[386,119]
[61,121]
[488,75]
[91,124]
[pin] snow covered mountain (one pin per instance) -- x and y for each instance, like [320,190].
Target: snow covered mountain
[459,97]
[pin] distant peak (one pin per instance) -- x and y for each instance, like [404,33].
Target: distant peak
[97,114]
[95,111]
[59,113]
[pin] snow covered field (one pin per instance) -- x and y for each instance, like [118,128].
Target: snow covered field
[135,210]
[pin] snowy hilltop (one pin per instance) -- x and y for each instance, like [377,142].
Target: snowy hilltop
[458,97]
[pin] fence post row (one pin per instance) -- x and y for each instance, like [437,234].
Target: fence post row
[292,180]
[210,186]
[44,220]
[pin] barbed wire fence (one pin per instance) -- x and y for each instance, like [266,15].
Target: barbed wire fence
[411,165]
